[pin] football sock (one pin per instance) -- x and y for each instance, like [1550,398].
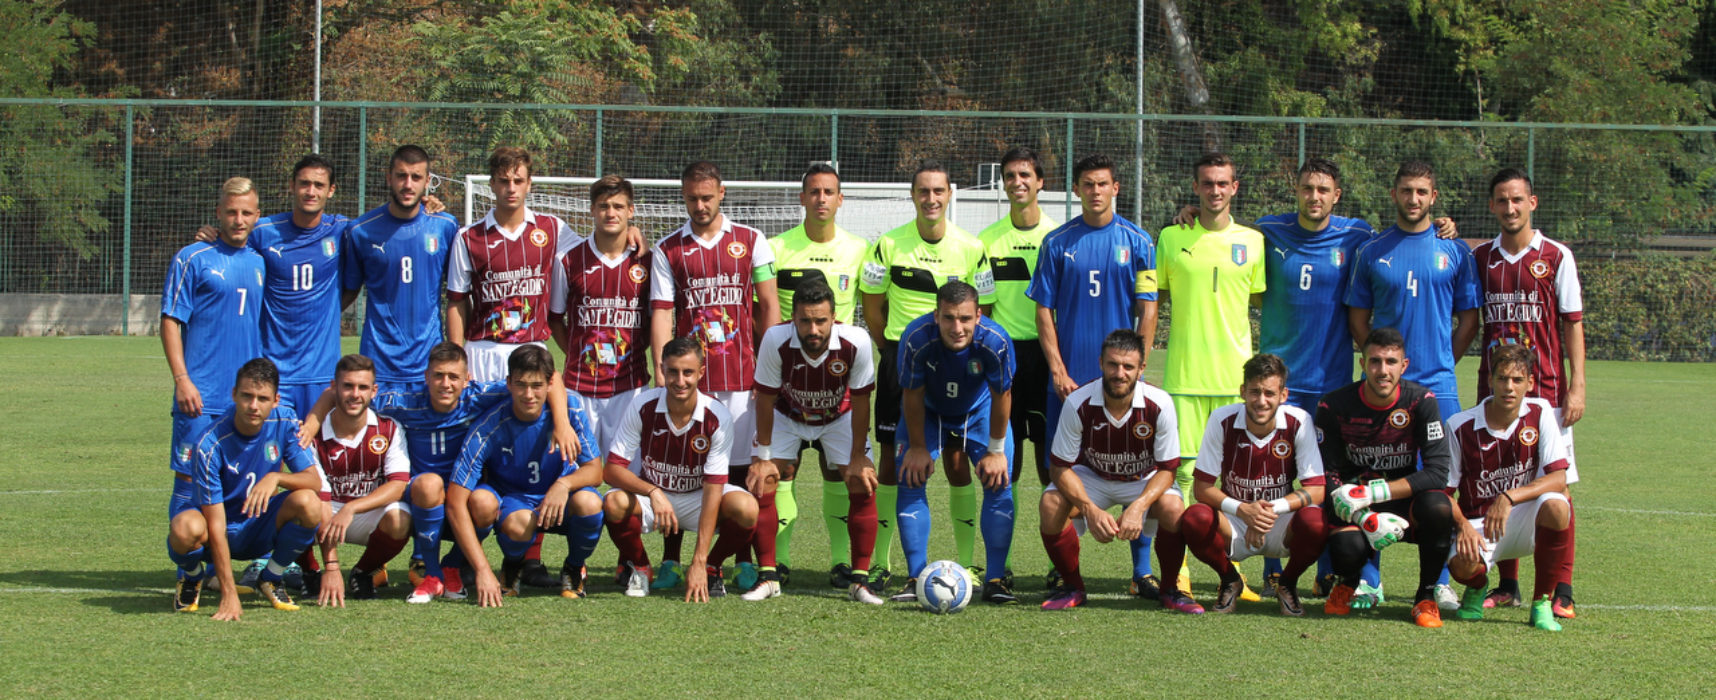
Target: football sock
[1307,534]
[627,535]
[786,506]
[733,538]
[307,562]
[1063,553]
[1508,571]
[1348,550]
[1443,579]
[768,528]
[834,514]
[290,542]
[381,549]
[962,507]
[1171,549]
[1565,569]
[1552,549]
[1202,534]
[887,503]
[860,530]
[187,562]
[513,549]
[1371,570]
[426,536]
[997,523]
[738,474]
[1140,556]
[583,533]
[535,551]
[1433,519]
[1323,565]
[913,516]
[1271,565]
[672,546]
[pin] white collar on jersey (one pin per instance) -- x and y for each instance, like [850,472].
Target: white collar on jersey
[328,427]
[1481,419]
[726,228]
[696,413]
[610,262]
[1535,244]
[490,222]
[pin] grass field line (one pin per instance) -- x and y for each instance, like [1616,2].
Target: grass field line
[1640,511]
[55,492]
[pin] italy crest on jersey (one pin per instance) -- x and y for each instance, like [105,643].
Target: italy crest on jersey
[975,367]
[271,452]
[431,244]
[328,247]
[1340,257]
[1240,253]
[1122,255]
[184,452]
[845,282]
[258,278]
[1441,261]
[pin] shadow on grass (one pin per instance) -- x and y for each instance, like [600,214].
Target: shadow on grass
[126,592]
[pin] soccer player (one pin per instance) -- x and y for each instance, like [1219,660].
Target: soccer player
[364,459]
[901,273]
[1373,434]
[1012,244]
[817,374]
[1116,445]
[1257,449]
[236,469]
[1511,471]
[818,250]
[1094,275]
[713,279]
[1532,298]
[210,304]
[397,253]
[677,478]
[956,378]
[510,475]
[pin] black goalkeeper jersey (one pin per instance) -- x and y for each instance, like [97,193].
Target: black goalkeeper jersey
[1361,442]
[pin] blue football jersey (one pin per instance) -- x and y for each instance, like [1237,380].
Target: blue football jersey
[956,382]
[1092,278]
[1304,321]
[401,264]
[301,296]
[512,455]
[226,464]
[1414,283]
[433,439]
[215,291]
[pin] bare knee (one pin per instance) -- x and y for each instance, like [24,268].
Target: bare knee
[1052,512]
[396,523]
[1555,514]
[740,507]
[519,526]
[618,505]
[187,531]
[303,506]
[484,508]
[585,503]
[428,491]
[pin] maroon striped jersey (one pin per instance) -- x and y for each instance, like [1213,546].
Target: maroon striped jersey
[1129,447]
[1487,461]
[1526,297]
[815,391]
[506,276]
[709,285]
[1361,441]
[357,467]
[602,300]
[682,459]
[1253,468]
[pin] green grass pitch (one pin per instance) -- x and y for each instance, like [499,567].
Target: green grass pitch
[84,582]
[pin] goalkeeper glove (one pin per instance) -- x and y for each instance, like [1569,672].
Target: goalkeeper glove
[1381,529]
[1352,498]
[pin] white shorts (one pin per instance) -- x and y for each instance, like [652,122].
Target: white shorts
[1567,438]
[487,359]
[687,507]
[1520,539]
[1106,494]
[606,414]
[1274,543]
[836,439]
[744,434]
[364,524]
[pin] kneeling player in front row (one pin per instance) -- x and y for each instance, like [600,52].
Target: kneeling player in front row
[1117,444]
[1510,467]
[235,474]
[676,480]
[364,459]
[508,475]
[818,375]
[1258,449]
[1373,434]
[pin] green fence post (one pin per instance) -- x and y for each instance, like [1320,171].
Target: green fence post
[363,157]
[1301,144]
[1066,215]
[1531,153]
[125,258]
[834,139]
[598,143]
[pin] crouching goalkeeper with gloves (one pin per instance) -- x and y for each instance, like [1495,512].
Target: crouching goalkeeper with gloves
[1386,457]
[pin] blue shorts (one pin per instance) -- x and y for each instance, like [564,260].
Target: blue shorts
[254,538]
[185,432]
[300,397]
[515,502]
[970,435]
[183,499]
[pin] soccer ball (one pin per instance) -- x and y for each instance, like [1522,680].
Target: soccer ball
[944,587]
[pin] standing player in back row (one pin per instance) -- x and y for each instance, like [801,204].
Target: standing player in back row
[818,250]
[1532,298]
[901,274]
[1095,274]
[713,280]
[1012,244]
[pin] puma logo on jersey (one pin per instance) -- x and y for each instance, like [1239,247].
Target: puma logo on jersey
[506,450]
[1069,255]
[1387,261]
[1282,253]
[218,273]
[379,248]
[276,251]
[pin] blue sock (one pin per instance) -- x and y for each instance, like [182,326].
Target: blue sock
[1271,565]
[426,536]
[514,549]
[996,522]
[1444,578]
[190,563]
[583,533]
[1141,556]
[912,518]
[1324,565]
[456,558]
[1372,571]
[290,542]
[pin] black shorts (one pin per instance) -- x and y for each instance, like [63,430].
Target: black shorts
[887,406]
[1030,391]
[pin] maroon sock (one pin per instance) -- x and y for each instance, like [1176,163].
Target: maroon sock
[1306,535]
[627,535]
[1063,553]
[861,528]
[307,561]
[768,527]
[733,538]
[1564,571]
[1508,570]
[535,551]
[1554,550]
[379,552]
[672,546]
[1170,555]
[1198,527]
